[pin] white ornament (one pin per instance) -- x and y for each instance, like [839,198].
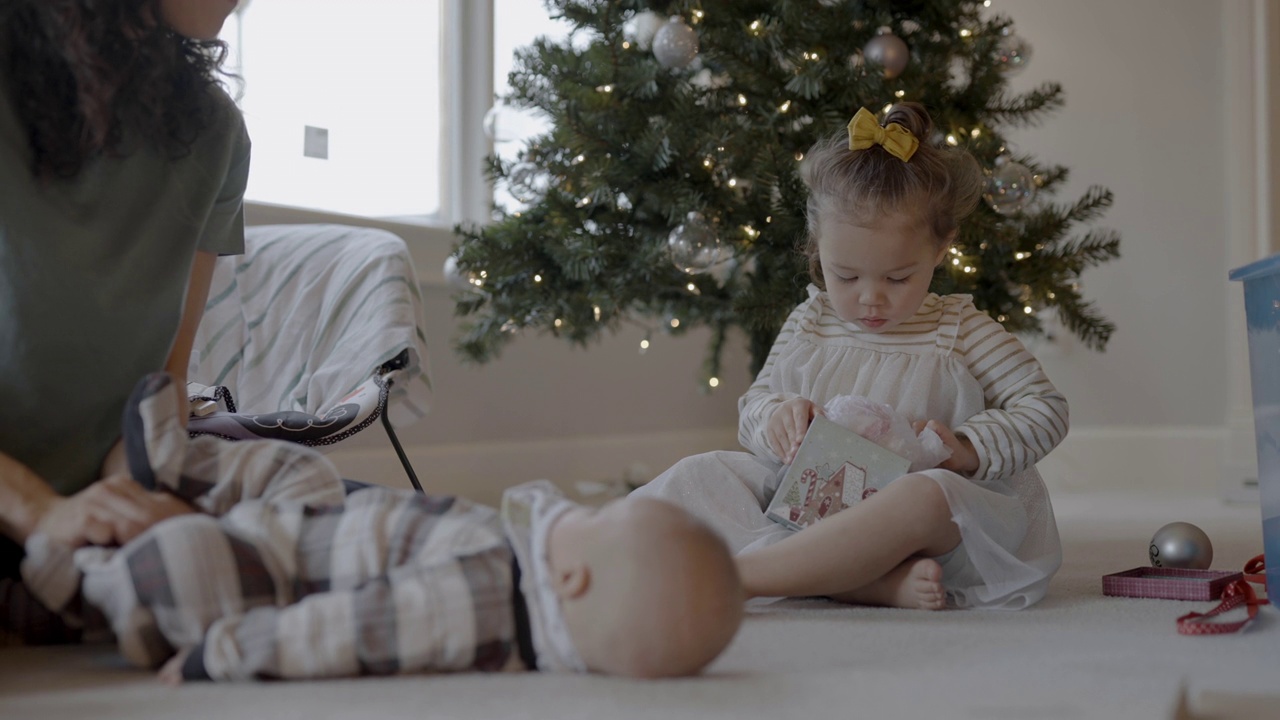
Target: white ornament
[675,45]
[454,277]
[641,28]
[694,246]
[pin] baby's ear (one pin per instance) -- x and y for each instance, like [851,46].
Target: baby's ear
[571,582]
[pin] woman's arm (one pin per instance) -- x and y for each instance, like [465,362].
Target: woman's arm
[180,353]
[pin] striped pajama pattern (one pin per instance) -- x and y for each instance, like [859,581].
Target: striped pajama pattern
[280,575]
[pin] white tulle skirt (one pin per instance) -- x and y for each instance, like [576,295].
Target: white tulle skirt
[1009,546]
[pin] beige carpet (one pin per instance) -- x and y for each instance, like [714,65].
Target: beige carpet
[1079,654]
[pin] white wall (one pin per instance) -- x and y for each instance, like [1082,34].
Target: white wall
[1145,92]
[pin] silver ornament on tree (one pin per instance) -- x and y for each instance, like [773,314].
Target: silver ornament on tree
[641,28]
[1012,54]
[1181,545]
[1010,186]
[694,246]
[675,45]
[888,51]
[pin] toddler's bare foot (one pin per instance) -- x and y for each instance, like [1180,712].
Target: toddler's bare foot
[915,584]
[171,673]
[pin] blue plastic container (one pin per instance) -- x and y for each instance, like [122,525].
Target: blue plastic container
[1262,311]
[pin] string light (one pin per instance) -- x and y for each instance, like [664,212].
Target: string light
[750,232]
[644,345]
[955,261]
[1001,318]
[537,278]
[595,309]
[694,289]
[968,268]
[1028,310]
[799,156]
[975,133]
[951,140]
[707,162]
[755,27]
[558,322]
[626,44]
[742,99]
[579,159]
[697,15]
[900,94]
[784,106]
[733,182]
[885,110]
[714,382]
[675,322]
[584,202]
[604,88]
[965,32]
[768,218]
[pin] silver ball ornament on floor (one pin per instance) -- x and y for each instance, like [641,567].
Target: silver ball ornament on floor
[1181,545]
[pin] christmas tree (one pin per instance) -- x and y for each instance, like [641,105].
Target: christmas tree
[665,191]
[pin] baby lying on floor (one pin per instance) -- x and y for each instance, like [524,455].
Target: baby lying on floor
[280,574]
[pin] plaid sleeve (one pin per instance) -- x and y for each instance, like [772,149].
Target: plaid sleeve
[442,602]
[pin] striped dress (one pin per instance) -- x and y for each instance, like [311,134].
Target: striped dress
[950,363]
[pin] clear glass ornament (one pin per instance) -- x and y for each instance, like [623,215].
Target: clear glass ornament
[1010,187]
[504,123]
[526,182]
[1012,54]
[694,246]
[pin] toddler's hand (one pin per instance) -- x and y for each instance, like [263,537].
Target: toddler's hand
[787,426]
[964,459]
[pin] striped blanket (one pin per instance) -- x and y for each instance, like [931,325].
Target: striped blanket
[306,314]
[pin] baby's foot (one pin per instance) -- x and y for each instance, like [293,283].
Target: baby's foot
[915,584]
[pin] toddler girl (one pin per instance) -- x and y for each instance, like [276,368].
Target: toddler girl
[978,530]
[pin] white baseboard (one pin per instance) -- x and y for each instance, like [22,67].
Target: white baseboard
[1181,460]
[1187,460]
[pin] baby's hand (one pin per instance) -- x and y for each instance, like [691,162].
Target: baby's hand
[171,673]
[787,426]
[964,459]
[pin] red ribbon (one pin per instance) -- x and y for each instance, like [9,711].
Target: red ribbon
[1234,595]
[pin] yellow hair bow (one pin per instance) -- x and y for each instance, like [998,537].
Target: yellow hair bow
[865,131]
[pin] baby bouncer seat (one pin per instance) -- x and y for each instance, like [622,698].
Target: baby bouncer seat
[310,336]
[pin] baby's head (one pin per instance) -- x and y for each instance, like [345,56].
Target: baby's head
[873,216]
[646,589]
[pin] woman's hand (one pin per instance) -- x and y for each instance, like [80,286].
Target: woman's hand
[110,512]
[964,459]
[787,426]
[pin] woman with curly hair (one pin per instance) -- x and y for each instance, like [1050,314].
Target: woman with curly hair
[123,165]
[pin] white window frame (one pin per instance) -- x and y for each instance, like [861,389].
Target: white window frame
[466,94]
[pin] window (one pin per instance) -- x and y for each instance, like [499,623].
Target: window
[343,103]
[381,109]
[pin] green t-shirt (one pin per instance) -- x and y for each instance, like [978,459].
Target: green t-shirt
[93,275]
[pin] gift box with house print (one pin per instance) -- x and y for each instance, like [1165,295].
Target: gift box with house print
[833,469]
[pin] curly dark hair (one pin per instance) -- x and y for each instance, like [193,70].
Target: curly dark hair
[90,77]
